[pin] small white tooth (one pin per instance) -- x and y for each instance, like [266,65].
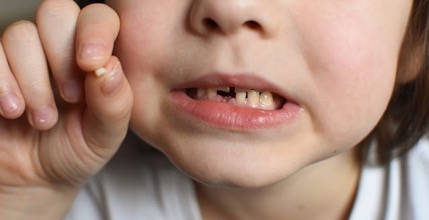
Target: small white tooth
[240,97]
[253,97]
[223,89]
[211,93]
[200,93]
[267,99]
[101,71]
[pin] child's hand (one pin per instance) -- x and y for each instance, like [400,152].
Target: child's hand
[59,124]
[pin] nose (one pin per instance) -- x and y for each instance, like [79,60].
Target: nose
[231,16]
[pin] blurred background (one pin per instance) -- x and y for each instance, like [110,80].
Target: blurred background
[14,10]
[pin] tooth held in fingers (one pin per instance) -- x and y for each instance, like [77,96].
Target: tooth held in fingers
[101,71]
[253,98]
[240,97]
[267,99]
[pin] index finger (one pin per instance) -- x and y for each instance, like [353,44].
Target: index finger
[56,21]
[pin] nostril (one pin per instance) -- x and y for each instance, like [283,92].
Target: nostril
[252,25]
[210,23]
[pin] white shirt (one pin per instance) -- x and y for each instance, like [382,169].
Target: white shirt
[399,191]
[141,184]
[137,184]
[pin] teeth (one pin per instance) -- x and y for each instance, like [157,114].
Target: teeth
[240,97]
[211,93]
[243,97]
[200,93]
[253,97]
[267,99]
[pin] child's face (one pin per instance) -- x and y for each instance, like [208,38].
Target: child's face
[332,62]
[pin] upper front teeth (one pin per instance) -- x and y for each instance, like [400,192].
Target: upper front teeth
[253,98]
[211,93]
[244,97]
[240,97]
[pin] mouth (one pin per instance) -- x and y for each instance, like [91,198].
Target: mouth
[251,98]
[239,102]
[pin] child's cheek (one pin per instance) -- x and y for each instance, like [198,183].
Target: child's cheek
[351,65]
[146,30]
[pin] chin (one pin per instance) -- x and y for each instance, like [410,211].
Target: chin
[229,171]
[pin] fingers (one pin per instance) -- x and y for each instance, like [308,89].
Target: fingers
[108,97]
[109,100]
[97,29]
[71,36]
[70,39]
[11,102]
[56,21]
[28,64]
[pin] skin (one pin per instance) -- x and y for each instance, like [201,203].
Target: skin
[338,64]
[51,149]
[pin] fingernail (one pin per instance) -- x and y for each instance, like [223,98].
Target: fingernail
[42,117]
[72,91]
[92,51]
[9,103]
[113,80]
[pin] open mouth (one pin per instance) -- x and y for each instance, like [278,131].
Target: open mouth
[234,102]
[251,98]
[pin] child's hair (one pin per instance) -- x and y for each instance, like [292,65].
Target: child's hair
[406,119]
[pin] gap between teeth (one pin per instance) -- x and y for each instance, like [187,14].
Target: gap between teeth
[243,97]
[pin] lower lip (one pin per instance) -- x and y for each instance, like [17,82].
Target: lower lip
[233,117]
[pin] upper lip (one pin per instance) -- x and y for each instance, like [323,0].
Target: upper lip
[242,81]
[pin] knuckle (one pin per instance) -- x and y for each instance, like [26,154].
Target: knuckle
[5,87]
[124,114]
[118,114]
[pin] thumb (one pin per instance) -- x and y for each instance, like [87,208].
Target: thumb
[109,101]
[108,97]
